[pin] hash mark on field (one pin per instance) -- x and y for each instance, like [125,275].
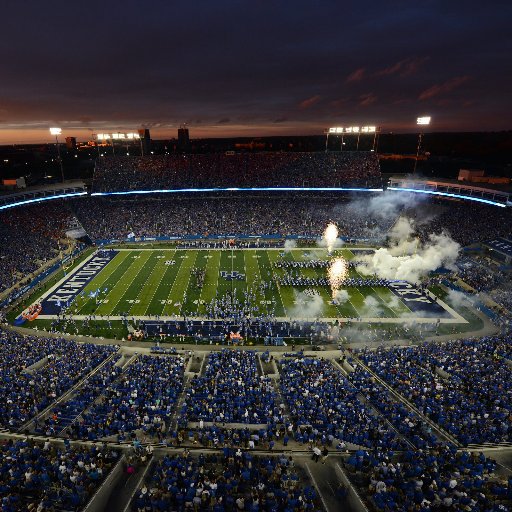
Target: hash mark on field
[177,280]
[127,287]
[148,280]
[157,287]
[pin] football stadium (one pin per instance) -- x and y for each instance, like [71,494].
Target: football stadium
[255,256]
[255,331]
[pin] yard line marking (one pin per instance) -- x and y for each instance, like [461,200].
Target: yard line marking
[260,281]
[162,280]
[131,282]
[277,284]
[171,296]
[148,280]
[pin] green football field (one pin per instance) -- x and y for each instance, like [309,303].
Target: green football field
[143,283]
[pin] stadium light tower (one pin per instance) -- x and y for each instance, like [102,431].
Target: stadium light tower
[57,132]
[420,121]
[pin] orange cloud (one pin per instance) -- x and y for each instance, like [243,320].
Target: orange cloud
[368,99]
[443,88]
[403,67]
[309,102]
[356,76]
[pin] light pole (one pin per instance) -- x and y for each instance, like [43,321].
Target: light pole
[420,121]
[57,132]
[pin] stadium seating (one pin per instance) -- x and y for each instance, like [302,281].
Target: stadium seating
[473,414]
[143,397]
[231,391]
[320,398]
[358,169]
[235,481]
[105,218]
[29,236]
[438,479]
[24,394]
[40,476]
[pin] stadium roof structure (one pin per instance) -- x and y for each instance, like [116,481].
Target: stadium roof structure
[447,188]
[44,193]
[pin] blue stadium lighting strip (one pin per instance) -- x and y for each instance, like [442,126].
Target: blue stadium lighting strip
[236,189]
[39,199]
[448,194]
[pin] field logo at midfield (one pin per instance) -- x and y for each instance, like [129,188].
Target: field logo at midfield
[71,288]
[233,275]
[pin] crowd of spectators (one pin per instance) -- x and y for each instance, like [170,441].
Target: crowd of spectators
[29,236]
[353,169]
[323,409]
[235,480]
[502,294]
[408,423]
[37,476]
[141,401]
[107,218]
[467,222]
[440,380]
[481,275]
[438,479]
[232,391]
[319,396]
[67,412]
[488,280]
[221,436]
[25,392]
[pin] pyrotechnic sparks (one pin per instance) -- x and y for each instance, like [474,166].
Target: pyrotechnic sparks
[337,273]
[330,236]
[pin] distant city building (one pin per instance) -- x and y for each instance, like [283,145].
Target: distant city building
[71,143]
[145,140]
[478,176]
[183,138]
[250,145]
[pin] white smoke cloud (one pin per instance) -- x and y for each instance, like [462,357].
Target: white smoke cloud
[387,204]
[456,298]
[402,229]
[307,306]
[372,307]
[408,259]
[334,244]
[289,245]
[341,296]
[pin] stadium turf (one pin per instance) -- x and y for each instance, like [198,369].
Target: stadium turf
[163,282]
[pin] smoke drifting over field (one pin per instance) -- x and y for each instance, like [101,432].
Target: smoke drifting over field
[307,306]
[408,258]
[289,245]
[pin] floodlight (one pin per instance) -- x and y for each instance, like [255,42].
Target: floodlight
[423,120]
[55,131]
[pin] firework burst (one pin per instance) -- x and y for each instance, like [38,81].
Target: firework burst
[337,273]
[330,236]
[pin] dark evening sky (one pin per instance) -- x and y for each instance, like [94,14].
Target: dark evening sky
[252,68]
